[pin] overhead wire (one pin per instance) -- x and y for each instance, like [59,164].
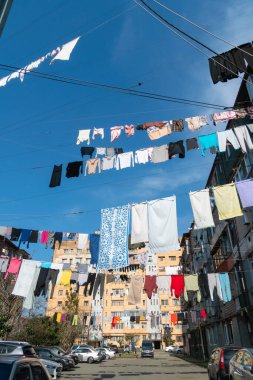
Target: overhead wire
[171,27]
[201,28]
[118,89]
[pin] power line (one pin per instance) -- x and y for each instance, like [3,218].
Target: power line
[201,28]
[167,24]
[123,90]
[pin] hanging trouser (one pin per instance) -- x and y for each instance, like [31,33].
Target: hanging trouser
[243,137]
[41,283]
[99,282]
[51,276]
[90,280]
[56,176]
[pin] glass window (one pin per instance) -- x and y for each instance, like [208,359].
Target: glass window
[247,359]
[164,302]
[59,303]
[38,372]
[228,331]
[172,258]
[79,251]
[162,269]
[60,292]
[162,258]
[22,373]
[65,251]
[5,370]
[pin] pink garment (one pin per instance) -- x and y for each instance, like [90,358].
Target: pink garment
[129,130]
[13,268]
[115,133]
[44,237]
[223,116]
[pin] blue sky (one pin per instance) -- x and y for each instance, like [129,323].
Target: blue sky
[40,118]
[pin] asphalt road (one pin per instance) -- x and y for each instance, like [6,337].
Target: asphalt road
[162,367]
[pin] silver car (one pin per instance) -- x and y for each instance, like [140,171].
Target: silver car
[9,347]
[241,365]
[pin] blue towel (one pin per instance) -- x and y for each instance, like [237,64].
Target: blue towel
[94,248]
[113,250]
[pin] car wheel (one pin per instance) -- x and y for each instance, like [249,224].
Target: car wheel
[107,357]
[90,360]
[209,376]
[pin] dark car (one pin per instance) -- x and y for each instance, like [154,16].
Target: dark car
[147,349]
[241,365]
[16,348]
[14,367]
[48,354]
[218,365]
[59,351]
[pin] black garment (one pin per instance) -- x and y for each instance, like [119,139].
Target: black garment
[41,283]
[132,318]
[123,277]
[91,321]
[87,151]
[15,234]
[177,148]
[99,282]
[51,276]
[91,281]
[180,317]
[203,285]
[119,150]
[54,317]
[34,236]
[74,169]
[192,143]
[57,237]
[56,176]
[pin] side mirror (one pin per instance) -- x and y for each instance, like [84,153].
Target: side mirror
[247,368]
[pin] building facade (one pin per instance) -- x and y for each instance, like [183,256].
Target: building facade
[148,320]
[228,247]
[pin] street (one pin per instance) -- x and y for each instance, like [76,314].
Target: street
[164,366]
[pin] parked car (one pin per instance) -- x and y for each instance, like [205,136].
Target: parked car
[241,365]
[147,349]
[14,367]
[108,353]
[102,354]
[48,354]
[55,369]
[218,365]
[16,348]
[111,347]
[76,346]
[87,354]
[169,348]
[178,350]
[59,351]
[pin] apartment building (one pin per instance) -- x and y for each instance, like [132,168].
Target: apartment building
[148,320]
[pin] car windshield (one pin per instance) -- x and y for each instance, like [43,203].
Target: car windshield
[147,346]
[5,370]
[56,351]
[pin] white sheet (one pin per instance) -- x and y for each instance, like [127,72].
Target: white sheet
[201,208]
[139,231]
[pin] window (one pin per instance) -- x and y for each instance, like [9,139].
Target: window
[175,302]
[38,372]
[59,303]
[118,292]
[64,261]
[228,332]
[70,261]
[164,302]
[162,269]
[78,260]
[79,251]
[119,326]
[60,292]
[86,303]
[162,258]
[179,339]
[117,303]
[23,373]
[143,302]
[172,258]
[65,251]
[72,251]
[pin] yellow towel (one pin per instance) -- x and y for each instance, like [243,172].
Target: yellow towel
[65,278]
[58,317]
[227,201]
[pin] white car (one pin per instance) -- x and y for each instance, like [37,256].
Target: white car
[170,348]
[87,354]
[109,354]
[55,369]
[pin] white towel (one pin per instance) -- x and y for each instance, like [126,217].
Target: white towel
[162,224]
[201,208]
[139,231]
[29,300]
[25,278]
[82,241]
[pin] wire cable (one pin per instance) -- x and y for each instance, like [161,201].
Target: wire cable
[201,28]
[166,23]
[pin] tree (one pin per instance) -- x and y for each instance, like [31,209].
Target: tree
[167,337]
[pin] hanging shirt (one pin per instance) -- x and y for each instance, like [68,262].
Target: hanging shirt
[115,133]
[142,156]
[192,144]
[173,319]
[125,160]
[108,163]
[191,284]
[87,151]
[44,237]
[160,154]
[129,130]
[221,117]
[176,148]
[177,285]
[74,168]
[225,287]
[98,132]
[157,124]
[227,201]
[196,122]
[208,141]
[157,133]
[100,151]
[84,135]
[82,241]
[177,125]
[150,285]
[92,165]
[13,267]
[65,278]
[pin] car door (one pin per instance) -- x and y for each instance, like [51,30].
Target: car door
[86,353]
[22,372]
[247,366]
[212,364]
[238,366]
[44,354]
